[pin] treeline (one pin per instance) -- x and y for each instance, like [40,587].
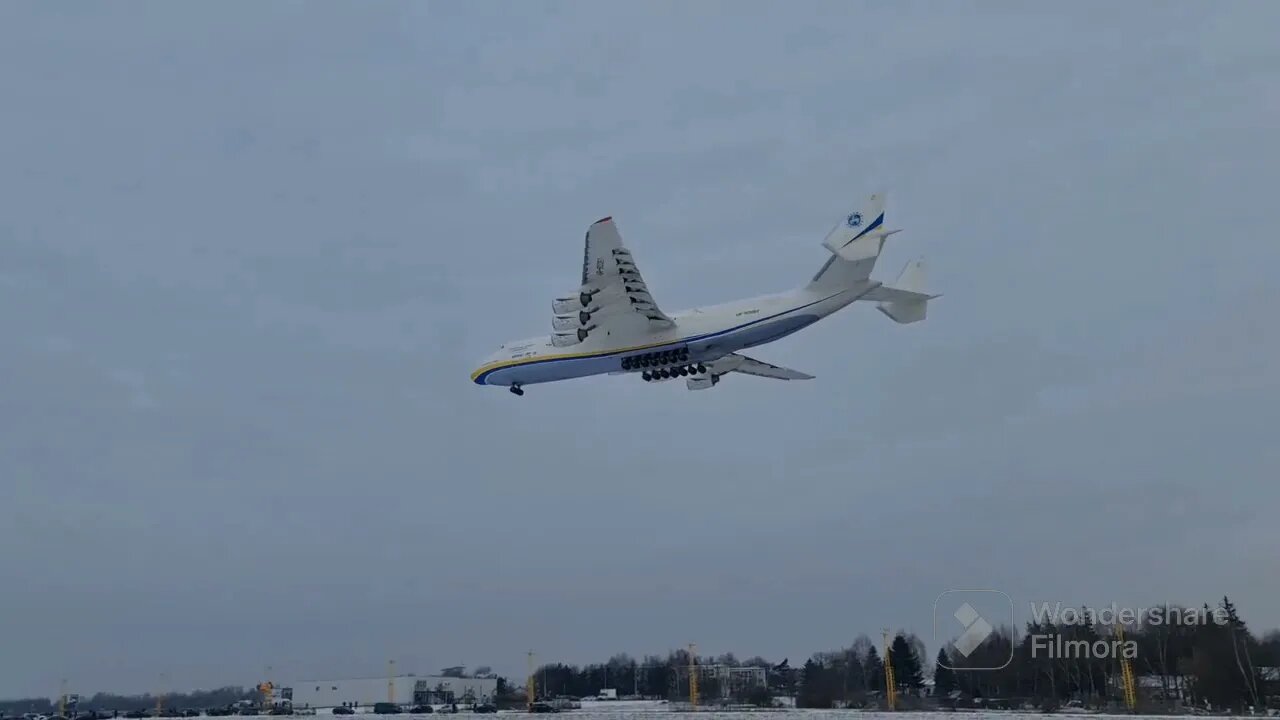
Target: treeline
[198,699]
[849,677]
[651,677]
[1213,663]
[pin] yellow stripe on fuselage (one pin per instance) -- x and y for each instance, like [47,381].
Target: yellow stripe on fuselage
[500,364]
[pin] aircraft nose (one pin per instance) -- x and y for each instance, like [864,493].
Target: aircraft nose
[477,375]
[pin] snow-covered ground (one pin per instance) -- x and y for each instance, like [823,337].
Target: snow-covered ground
[624,710]
[652,709]
[644,709]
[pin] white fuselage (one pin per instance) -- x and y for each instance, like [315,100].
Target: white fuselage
[706,333]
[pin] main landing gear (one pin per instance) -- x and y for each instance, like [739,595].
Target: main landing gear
[516,389]
[656,359]
[670,372]
[665,364]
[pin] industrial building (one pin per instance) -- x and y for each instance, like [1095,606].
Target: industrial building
[406,690]
[720,681]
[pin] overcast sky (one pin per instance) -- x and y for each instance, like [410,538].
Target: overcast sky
[251,251]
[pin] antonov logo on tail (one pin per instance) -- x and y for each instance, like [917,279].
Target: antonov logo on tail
[611,324]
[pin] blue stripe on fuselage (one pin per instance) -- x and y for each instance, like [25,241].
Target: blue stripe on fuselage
[480,378]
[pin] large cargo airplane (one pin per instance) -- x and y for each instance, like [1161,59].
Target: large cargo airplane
[613,325]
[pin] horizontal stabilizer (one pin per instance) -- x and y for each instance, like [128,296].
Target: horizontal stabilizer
[886,294]
[905,301]
[905,313]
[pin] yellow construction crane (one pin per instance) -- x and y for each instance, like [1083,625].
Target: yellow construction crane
[890,685]
[529,689]
[266,687]
[1126,673]
[62,700]
[391,681]
[693,675]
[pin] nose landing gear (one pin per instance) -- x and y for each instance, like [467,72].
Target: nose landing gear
[516,389]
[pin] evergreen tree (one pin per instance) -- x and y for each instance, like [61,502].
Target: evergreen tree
[1269,650]
[906,666]
[944,680]
[875,669]
[811,686]
[1240,642]
[1089,674]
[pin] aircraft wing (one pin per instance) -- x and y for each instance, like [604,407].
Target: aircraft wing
[764,369]
[611,277]
[609,268]
[734,362]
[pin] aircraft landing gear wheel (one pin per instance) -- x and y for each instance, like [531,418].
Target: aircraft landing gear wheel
[517,390]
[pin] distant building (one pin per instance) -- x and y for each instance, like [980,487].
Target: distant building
[407,690]
[721,681]
[1270,677]
[1169,688]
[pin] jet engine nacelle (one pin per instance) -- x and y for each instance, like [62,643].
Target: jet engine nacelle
[567,338]
[562,340]
[572,321]
[574,303]
[702,382]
